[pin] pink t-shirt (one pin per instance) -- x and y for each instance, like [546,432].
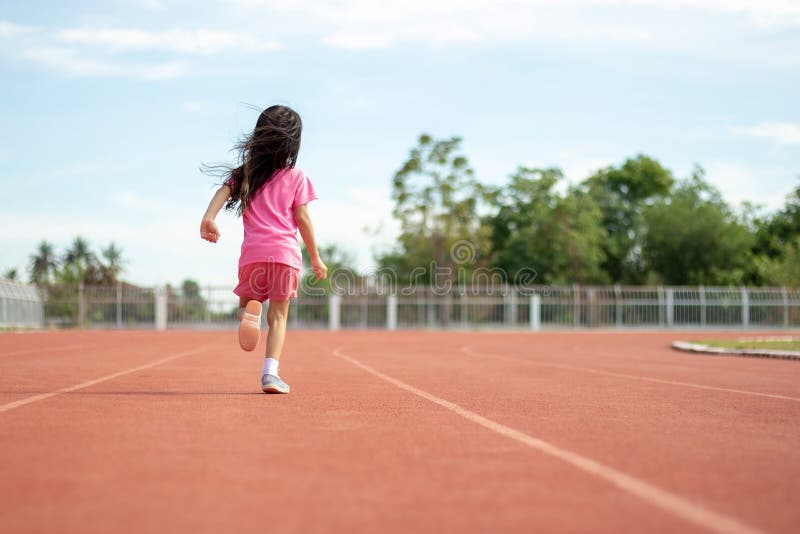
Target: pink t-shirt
[270,227]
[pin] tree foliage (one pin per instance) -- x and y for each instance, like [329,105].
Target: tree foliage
[622,193]
[78,264]
[436,200]
[693,237]
[630,224]
[560,236]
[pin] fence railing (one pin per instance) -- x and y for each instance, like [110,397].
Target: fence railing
[21,306]
[506,307]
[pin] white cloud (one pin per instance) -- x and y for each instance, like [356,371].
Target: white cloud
[69,62]
[153,4]
[739,183]
[199,41]
[362,24]
[86,51]
[765,14]
[784,133]
[8,29]
[132,200]
[194,107]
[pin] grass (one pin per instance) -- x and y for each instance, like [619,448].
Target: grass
[754,344]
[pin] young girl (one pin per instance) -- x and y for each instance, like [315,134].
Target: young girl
[271,195]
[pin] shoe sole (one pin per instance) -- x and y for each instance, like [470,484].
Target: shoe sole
[274,389]
[249,327]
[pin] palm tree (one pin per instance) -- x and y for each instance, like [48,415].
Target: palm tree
[114,262]
[79,254]
[43,263]
[80,258]
[10,274]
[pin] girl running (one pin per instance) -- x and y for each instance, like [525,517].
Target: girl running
[271,196]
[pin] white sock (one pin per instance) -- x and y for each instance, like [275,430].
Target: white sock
[270,367]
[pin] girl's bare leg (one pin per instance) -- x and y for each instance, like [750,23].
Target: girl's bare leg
[276,319]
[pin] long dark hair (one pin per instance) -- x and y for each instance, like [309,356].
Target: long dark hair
[273,145]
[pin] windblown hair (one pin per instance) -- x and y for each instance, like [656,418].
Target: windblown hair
[273,145]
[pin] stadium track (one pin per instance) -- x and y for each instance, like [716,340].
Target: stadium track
[406,431]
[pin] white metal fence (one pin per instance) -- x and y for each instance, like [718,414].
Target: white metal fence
[20,306]
[531,308]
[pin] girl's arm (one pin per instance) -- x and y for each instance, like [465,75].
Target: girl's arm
[307,233]
[208,228]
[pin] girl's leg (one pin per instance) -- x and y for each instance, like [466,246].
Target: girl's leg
[276,319]
[277,314]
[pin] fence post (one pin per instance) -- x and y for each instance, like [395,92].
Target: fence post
[785,295]
[670,307]
[702,305]
[81,305]
[41,307]
[618,304]
[119,305]
[511,306]
[207,307]
[661,306]
[334,311]
[745,308]
[391,312]
[535,312]
[364,311]
[431,311]
[161,308]
[576,305]
[464,307]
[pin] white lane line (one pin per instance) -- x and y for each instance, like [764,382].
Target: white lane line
[566,367]
[42,396]
[669,502]
[48,349]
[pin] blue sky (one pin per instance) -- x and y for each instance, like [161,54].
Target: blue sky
[108,108]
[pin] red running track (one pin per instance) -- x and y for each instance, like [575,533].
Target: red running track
[394,432]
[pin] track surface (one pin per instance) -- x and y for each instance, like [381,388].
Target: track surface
[394,432]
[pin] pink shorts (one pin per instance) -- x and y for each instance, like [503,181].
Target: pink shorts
[267,281]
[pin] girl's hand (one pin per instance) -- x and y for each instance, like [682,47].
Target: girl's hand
[209,230]
[320,269]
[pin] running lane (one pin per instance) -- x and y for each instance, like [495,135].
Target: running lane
[191,444]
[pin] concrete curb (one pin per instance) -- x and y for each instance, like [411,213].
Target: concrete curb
[687,346]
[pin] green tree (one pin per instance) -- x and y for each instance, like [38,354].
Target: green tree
[113,265]
[11,274]
[622,194]
[341,269]
[560,236]
[190,289]
[189,303]
[43,264]
[782,269]
[78,261]
[693,237]
[775,232]
[777,241]
[436,200]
